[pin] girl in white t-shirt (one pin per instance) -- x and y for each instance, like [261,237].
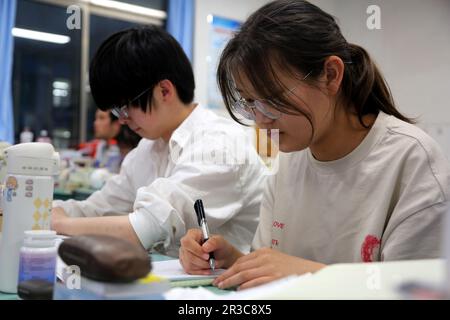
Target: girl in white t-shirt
[357,182]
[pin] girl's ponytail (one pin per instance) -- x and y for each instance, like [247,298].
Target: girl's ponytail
[365,87]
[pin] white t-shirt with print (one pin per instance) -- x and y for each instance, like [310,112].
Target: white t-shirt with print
[383,201]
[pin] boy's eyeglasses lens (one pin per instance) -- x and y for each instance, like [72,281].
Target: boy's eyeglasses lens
[120,113]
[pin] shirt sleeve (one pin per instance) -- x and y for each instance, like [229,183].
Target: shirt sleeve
[264,230]
[417,237]
[164,210]
[115,198]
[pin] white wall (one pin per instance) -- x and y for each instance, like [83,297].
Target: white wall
[233,9]
[412,49]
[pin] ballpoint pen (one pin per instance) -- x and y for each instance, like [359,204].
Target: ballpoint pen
[200,211]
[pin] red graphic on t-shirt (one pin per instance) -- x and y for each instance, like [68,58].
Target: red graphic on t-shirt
[277,224]
[368,247]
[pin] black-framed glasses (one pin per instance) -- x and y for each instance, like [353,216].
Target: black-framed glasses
[265,106]
[122,112]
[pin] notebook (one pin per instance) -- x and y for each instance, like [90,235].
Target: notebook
[173,271]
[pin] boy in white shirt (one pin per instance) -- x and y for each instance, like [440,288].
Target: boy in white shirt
[187,153]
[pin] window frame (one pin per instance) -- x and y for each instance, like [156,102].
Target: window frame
[156,17]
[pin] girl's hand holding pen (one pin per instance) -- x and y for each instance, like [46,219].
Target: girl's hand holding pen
[194,256]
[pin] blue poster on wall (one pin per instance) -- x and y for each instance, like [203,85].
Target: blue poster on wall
[221,31]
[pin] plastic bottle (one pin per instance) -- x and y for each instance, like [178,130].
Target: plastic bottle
[43,137]
[38,256]
[26,135]
[113,159]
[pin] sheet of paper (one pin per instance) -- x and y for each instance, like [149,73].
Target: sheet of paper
[266,291]
[60,268]
[269,290]
[172,270]
[60,265]
[199,293]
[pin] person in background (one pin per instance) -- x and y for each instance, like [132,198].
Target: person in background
[187,152]
[357,181]
[106,128]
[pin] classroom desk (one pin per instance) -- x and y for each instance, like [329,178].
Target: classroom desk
[371,281]
[154,257]
[77,194]
[368,281]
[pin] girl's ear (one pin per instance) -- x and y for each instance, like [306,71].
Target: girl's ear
[334,72]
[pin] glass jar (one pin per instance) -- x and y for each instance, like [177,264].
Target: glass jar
[38,256]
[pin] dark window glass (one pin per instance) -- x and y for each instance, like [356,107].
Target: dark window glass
[46,75]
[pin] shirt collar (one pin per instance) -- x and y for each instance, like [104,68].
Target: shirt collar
[372,138]
[182,134]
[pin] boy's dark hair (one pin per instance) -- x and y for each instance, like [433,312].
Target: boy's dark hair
[127,138]
[133,60]
[298,37]
[113,118]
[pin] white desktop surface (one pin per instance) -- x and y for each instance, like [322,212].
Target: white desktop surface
[364,280]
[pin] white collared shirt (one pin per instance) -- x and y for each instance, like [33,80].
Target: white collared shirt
[208,157]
